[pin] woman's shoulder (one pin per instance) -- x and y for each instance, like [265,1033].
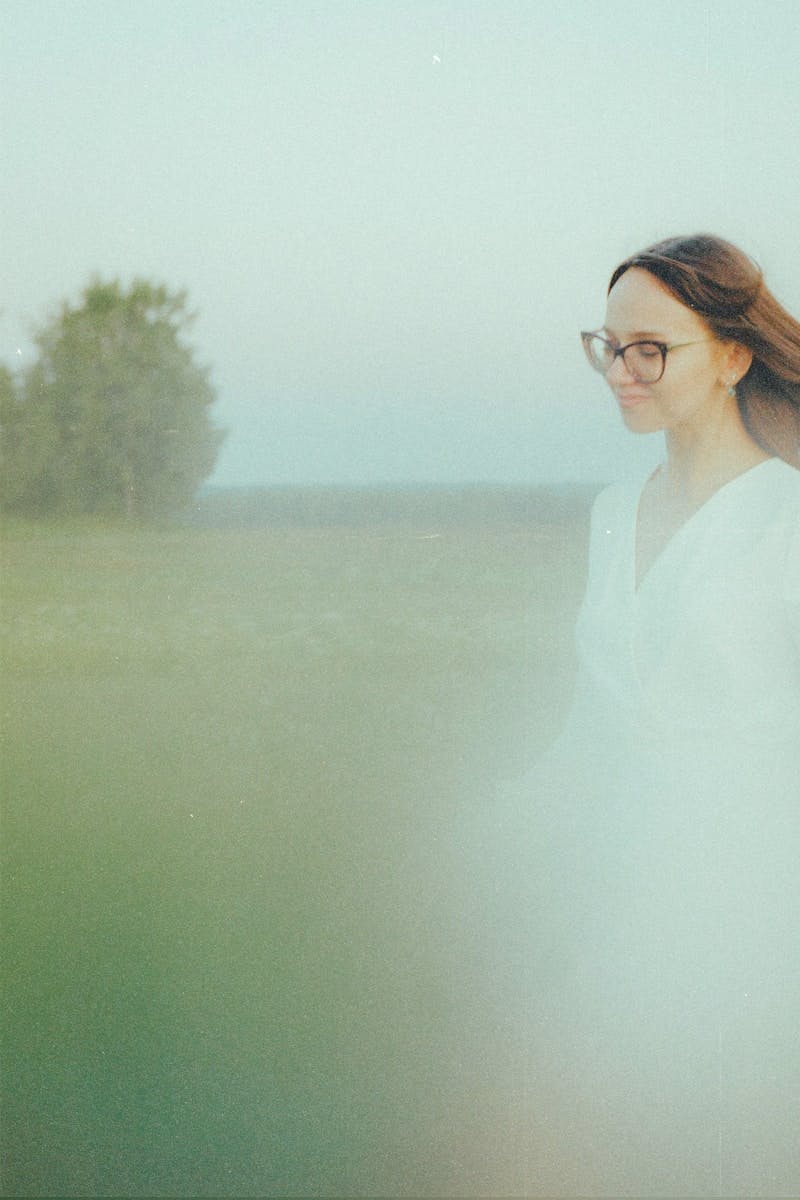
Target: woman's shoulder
[782,478]
[621,497]
[772,493]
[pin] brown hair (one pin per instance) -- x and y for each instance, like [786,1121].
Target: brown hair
[726,288]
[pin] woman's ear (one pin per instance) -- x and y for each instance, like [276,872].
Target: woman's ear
[738,360]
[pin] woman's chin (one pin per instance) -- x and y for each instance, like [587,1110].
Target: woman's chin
[639,420]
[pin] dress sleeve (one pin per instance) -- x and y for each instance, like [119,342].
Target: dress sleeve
[605,529]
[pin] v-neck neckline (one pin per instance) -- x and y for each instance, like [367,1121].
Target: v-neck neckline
[641,581]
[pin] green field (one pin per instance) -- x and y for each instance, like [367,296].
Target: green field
[222,750]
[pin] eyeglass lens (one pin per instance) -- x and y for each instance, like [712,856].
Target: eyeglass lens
[643,360]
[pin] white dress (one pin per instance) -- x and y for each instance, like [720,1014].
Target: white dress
[637,916]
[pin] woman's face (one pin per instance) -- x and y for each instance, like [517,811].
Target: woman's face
[693,383]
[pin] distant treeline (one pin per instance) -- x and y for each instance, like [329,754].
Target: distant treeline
[314,506]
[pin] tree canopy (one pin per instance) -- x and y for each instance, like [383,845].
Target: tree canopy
[113,416]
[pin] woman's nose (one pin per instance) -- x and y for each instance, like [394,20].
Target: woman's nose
[618,371]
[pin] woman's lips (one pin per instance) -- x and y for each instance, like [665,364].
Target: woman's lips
[631,399]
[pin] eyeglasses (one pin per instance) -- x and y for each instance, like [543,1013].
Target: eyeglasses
[645,361]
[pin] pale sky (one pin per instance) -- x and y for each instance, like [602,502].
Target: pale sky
[392,217]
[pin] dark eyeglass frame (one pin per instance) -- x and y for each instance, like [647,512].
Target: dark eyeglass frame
[619,351]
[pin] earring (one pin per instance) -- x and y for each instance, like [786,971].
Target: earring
[730,388]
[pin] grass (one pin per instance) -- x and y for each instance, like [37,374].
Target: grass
[222,750]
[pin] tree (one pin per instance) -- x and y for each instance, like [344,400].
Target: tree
[113,417]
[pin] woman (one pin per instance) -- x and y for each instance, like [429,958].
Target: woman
[639,915]
[690,630]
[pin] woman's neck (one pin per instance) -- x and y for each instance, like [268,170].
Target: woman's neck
[700,462]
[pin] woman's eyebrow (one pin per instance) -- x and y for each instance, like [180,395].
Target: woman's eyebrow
[633,335]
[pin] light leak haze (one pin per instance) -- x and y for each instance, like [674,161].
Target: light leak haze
[392,218]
